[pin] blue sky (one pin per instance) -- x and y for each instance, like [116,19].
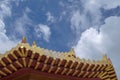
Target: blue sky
[91,27]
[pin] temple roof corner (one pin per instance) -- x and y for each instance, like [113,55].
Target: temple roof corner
[105,58]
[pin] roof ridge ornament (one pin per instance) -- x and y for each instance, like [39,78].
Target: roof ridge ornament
[104,58]
[72,52]
[34,43]
[24,40]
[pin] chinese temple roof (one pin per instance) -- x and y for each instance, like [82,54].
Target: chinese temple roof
[31,60]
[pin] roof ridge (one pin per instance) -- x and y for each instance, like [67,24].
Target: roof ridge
[70,55]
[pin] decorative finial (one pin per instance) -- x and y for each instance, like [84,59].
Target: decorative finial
[24,40]
[34,43]
[104,58]
[72,52]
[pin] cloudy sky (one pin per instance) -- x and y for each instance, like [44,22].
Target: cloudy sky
[91,27]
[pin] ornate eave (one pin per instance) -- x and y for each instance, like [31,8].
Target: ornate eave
[34,58]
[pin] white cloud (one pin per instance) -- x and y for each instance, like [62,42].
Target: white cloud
[5,9]
[23,22]
[110,4]
[93,43]
[86,46]
[102,3]
[91,14]
[28,10]
[17,2]
[2,26]
[50,18]
[43,30]
[5,42]
[20,23]
[79,21]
